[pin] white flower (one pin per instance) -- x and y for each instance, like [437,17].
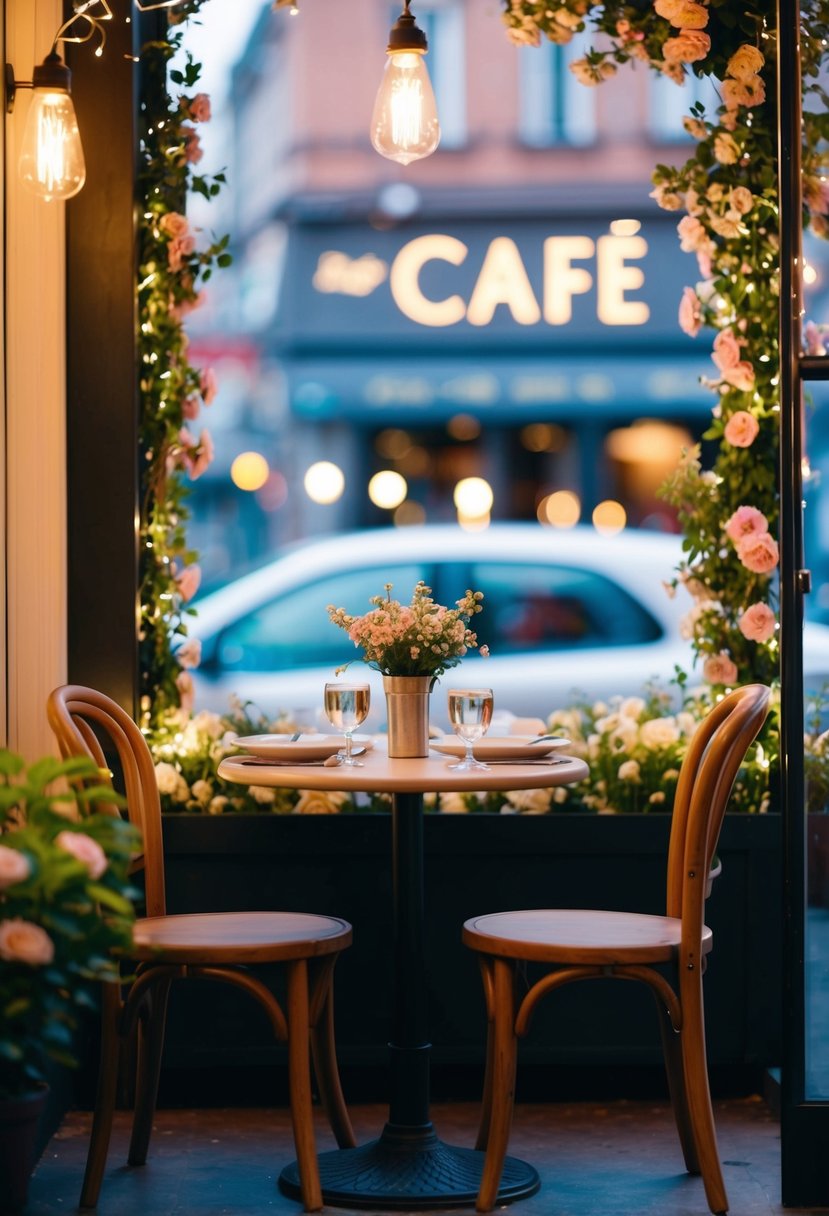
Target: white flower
[452,803]
[625,736]
[320,802]
[632,707]
[659,732]
[686,723]
[656,797]
[217,805]
[600,709]
[202,791]
[629,771]
[262,794]
[531,802]
[170,781]
[211,724]
[607,724]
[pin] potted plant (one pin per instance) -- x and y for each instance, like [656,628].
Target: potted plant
[65,911]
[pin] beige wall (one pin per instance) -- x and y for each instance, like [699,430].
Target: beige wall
[33,464]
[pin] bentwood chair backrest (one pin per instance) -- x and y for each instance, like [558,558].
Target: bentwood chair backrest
[717,749]
[78,717]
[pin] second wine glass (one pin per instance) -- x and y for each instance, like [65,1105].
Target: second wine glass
[346,706]
[470,712]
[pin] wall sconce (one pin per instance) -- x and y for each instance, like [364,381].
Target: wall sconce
[51,154]
[404,122]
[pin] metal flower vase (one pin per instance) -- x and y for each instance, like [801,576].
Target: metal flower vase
[407,708]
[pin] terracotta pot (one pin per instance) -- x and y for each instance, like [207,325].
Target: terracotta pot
[18,1134]
[407,707]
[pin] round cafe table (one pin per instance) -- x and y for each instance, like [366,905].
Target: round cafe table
[407,1167]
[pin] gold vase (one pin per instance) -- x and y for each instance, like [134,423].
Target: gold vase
[407,708]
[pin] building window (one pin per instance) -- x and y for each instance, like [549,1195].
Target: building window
[442,23]
[669,103]
[554,107]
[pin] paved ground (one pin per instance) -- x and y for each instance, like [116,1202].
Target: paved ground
[595,1159]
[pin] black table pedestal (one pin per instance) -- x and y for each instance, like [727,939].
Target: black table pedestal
[409,1170]
[408,1167]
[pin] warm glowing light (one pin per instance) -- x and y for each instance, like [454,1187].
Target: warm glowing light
[561,509]
[542,437]
[409,514]
[51,156]
[393,443]
[324,482]
[387,489]
[404,123]
[463,427]
[809,274]
[249,471]
[473,497]
[625,227]
[609,517]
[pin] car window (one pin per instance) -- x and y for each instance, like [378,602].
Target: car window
[294,630]
[542,607]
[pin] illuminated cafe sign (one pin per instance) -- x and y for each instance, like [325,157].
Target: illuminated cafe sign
[423,279]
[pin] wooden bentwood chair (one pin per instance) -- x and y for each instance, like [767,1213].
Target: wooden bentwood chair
[217,946]
[578,944]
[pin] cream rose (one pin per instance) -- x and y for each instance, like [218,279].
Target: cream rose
[632,707]
[320,802]
[170,781]
[23,942]
[629,771]
[746,61]
[726,149]
[14,867]
[452,803]
[659,732]
[85,850]
[689,46]
[531,802]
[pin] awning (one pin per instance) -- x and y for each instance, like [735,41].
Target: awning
[560,387]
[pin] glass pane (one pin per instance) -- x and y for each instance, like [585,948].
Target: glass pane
[816,682]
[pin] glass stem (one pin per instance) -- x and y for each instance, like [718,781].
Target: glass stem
[348,747]
[469,758]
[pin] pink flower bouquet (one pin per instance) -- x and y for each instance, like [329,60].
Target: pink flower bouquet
[417,639]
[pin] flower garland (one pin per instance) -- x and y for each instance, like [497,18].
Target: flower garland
[728,189]
[172,271]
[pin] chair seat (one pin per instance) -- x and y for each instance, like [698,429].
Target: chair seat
[238,937]
[578,936]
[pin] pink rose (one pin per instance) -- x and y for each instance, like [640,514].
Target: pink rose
[692,235]
[180,247]
[740,376]
[816,195]
[704,262]
[23,942]
[188,654]
[742,429]
[203,458]
[192,146]
[186,691]
[746,521]
[199,108]
[813,339]
[14,867]
[85,850]
[209,388]
[688,47]
[188,582]
[757,623]
[726,350]
[758,553]
[719,669]
[690,313]
[190,408]
[172,224]
[746,61]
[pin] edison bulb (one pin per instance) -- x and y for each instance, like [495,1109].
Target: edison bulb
[404,123]
[51,156]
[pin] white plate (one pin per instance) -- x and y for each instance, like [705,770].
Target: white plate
[306,747]
[493,747]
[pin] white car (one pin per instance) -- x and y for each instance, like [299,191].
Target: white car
[566,614]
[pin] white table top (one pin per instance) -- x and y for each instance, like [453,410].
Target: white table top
[382,775]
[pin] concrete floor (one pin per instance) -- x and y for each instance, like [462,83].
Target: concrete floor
[595,1159]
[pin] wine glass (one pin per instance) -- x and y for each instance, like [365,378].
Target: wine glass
[470,712]
[346,706]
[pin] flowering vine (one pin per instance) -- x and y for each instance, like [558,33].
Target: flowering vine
[175,447]
[728,191]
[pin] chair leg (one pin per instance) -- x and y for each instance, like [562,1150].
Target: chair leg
[486,1098]
[105,1096]
[695,1069]
[150,1049]
[504,1054]
[324,1053]
[672,1052]
[299,1085]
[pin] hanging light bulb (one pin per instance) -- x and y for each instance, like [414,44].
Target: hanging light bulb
[51,154]
[404,123]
